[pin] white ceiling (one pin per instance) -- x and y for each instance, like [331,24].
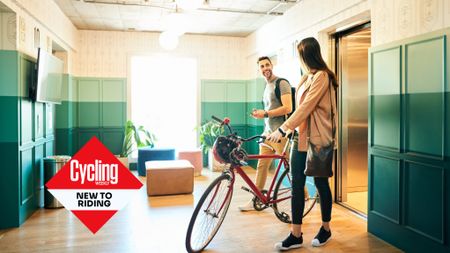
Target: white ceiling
[215,17]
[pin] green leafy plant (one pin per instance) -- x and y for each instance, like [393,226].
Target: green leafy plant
[209,132]
[136,137]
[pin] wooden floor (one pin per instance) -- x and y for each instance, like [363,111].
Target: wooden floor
[159,224]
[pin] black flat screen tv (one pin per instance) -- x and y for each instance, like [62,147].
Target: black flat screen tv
[47,87]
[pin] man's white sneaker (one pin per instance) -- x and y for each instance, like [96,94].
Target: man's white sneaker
[247,207]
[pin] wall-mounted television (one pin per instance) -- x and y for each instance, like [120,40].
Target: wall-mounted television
[47,86]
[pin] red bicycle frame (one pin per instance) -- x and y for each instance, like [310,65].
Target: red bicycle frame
[265,199]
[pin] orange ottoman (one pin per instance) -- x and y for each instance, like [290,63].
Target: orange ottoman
[196,159]
[169,177]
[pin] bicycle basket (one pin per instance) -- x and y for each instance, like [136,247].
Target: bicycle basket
[222,148]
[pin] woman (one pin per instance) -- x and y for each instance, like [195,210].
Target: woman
[316,101]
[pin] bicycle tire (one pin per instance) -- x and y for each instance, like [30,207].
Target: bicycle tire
[283,209]
[222,202]
[284,212]
[310,202]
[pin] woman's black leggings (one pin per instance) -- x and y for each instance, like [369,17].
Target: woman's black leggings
[298,163]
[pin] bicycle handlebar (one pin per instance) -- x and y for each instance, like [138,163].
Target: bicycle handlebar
[226,122]
[217,119]
[253,137]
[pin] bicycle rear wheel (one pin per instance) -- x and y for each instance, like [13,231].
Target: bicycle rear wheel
[283,192]
[311,198]
[282,198]
[209,213]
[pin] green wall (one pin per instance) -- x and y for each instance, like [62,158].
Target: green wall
[409,143]
[27,136]
[234,99]
[91,107]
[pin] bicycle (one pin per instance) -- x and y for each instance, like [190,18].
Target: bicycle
[212,207]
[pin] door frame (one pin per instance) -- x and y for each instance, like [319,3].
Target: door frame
[336,66]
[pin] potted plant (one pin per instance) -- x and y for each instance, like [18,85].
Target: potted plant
[134,137]
[209,132]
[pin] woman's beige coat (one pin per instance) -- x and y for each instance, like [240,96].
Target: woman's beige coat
[316,102]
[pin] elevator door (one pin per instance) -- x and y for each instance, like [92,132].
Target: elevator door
[352,68]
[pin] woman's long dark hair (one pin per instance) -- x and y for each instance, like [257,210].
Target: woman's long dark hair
[309,52]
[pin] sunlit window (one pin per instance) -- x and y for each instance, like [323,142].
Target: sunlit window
[164,98]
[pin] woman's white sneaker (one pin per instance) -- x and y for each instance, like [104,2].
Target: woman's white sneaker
[321,238]
[291,242]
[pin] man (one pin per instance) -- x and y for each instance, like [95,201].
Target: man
[274,114]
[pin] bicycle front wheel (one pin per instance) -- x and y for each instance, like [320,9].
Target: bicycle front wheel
[209,213]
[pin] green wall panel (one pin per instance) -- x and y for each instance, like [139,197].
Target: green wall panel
[424,99]
[447,124]
[9,180]
[424,123]
[64,141]
[89,114]
[255,89]
[63,115]
[74,89]
[425,183]
[425,76]
[89,90]
[237,112]
[113,139]
[75,120]
[38,175]
[93,104]
[85,135]
[209,109]
[9,77]
[26,121]
[39,110]
[213,91]
[385,99]
[384,188]
[386,121]
[66,87]
[49,148]
[113,114]
[9,119]
[26,74]
[236,91]
[26,176]
[114,91]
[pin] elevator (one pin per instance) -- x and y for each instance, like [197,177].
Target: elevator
[351,66]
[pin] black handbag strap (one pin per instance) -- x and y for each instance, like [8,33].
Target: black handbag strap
[333,126]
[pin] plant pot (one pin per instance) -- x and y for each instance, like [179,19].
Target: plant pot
[213,164]
[124,161]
